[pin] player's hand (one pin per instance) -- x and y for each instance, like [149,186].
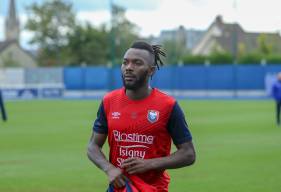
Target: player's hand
[137,165]
[116,177]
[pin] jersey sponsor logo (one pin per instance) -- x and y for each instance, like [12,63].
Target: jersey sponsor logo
[133,137]
[152,116]
[132,151]
[116,115]
[136,145]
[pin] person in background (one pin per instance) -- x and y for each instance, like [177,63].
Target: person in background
[276,93]
[3,111]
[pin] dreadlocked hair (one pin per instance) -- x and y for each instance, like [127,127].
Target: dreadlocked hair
[156,50]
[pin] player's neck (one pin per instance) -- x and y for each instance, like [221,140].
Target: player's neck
[140,93]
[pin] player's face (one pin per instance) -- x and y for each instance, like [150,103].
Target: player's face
[136,68]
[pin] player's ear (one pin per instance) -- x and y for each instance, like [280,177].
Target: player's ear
[152,71]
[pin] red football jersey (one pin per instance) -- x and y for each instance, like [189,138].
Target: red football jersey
[138,128]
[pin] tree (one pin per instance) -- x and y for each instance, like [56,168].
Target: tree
[50,22]
[175,50]
[241,50]
[122,34]
[263,46]
[87,45]
[171,51]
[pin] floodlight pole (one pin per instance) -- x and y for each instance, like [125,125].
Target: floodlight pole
[112,47]
[112,33]
[235,33]
[235,49]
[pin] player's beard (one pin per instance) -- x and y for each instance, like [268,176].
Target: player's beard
[139,81]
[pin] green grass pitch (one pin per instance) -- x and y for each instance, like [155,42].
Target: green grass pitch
[43,147]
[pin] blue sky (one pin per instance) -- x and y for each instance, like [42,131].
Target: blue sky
[153,16]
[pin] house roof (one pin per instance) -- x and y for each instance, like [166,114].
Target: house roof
[6,44]
[232,35]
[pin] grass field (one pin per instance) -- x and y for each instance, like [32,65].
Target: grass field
[43,148]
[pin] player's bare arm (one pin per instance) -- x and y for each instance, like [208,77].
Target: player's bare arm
[95,154]
[184,156]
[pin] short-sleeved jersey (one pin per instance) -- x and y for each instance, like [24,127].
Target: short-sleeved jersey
[143,129]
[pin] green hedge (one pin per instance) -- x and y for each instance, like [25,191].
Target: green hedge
[273,59]
[251,58]
[220,58]
[214,58]
[194,59]
[226,58]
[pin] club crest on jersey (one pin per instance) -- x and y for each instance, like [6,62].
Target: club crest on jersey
[152,116]
[116,115]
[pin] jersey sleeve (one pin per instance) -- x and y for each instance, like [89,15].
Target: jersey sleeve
[177,126]
[100,124]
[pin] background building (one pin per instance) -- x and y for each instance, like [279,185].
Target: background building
[11,53]
[231,38]
[190,37]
